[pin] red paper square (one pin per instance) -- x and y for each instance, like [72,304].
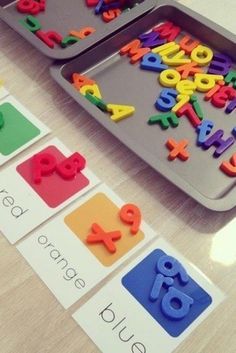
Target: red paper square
[53,189]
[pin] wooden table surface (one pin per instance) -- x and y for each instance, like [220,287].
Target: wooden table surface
[31,319]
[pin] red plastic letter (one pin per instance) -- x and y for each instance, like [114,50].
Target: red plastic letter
[68,168]
[43,164]
[131,214]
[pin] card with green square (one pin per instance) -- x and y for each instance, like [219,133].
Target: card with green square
[18,128]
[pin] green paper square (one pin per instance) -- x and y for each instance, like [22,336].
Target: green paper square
[16,131]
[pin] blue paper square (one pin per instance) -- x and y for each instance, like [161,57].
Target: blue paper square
[139,282]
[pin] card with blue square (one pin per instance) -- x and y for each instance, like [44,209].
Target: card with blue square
[163,287]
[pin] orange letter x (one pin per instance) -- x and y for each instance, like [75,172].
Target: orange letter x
[100,236]
[177,149]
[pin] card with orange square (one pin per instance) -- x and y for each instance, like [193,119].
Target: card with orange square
[102,210]
[87,242]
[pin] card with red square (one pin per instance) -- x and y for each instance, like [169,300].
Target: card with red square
[38,186]
[54,190]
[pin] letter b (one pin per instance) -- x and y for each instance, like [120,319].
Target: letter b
[107,314]
[176,304]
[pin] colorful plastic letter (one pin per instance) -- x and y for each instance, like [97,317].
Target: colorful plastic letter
[189,70]
[1,120]
[179,312]
[151,40]
[231,77]
[212,91]
[170,267]
[72,165]
[177,59]
[206,82]
[96,101]
[31,23]
[182,99]
[98,235]
[44,164]
[92,89]
[152,62]
[83,33]
[178,149]
[131,214]
[234,131]
[188,44]
[169,78]
[100,7]
[110,14]
[92,2]
[160,280]
[202,55]
[30,6]
[220,64]
[134,50]
[49,38]
[165,120]
[203,130]
[25,6]
[231,106]
[168,31]
[120,112]
[166,100]
[197,107]
[220,98]
[229,168]
[217,141]
[69,40]
[81,80]
[166,49]
[189,112]
[186,87]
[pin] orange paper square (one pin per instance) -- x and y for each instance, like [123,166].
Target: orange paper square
[101,210]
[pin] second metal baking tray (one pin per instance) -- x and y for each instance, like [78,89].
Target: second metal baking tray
[123,83]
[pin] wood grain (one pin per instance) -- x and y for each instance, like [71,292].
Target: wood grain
[31,320]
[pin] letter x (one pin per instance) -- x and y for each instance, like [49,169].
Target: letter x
[98,235]
[177,149]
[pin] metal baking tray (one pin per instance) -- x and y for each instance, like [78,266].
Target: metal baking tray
[64,16]
[123,83]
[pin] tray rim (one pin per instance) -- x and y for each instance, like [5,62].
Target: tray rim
[224,203]
[82,46]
